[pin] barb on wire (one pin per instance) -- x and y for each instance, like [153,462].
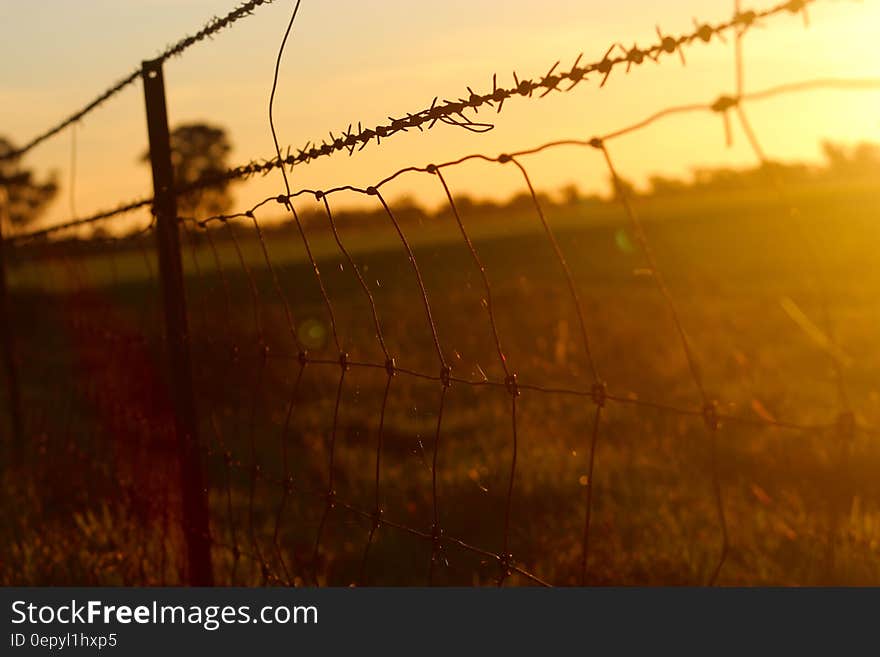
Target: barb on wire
[449,112]
[212,27]
[247,537]
[85,221]
[721,105]
[597,392]
[452,112]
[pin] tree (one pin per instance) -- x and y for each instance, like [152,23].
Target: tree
[199,150]
[866,156]
[621,187]
[25,197]
[665,186]
[857,161]
[571,195]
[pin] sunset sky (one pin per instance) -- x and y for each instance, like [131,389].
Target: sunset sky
[350,61]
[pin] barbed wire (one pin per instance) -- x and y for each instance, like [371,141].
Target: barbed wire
[252,388]
[448,111]
[212,27]
[597,143]
[598,394]
[452,112]
[125,208]
[709,411]
[721,105]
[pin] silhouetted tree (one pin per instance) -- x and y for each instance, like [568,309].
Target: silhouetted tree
[861,159]
[199,150]
[721,179]
[666,186]
[835,155]
[25,197]
[570,193]
[867,156]
[622,185]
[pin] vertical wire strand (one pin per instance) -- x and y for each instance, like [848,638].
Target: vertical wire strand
[331,473]
[418,274]
[287,484]
[710,414]
[510,378]
[390,369]
[598,384]
[445,370]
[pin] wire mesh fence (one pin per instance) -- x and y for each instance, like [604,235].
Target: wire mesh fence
[461,398]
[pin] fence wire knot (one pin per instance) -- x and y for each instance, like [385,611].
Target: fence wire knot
[724,103]
[455,113]
[599,394]
[446,376]
[507,565]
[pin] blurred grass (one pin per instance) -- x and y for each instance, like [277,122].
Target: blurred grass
[803,507]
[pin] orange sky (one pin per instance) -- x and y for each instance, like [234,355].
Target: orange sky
[350,60]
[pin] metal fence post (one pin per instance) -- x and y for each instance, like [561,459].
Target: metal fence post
[6,338]
[192,486]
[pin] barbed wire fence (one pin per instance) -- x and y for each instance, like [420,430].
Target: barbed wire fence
[251,435]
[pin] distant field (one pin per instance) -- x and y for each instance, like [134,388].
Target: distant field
[803,507]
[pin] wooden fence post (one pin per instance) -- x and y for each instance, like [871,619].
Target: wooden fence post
[192,486]
[6,345]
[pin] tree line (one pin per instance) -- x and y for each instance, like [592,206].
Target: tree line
[201,150]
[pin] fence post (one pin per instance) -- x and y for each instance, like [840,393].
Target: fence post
[193,490]
[6,338]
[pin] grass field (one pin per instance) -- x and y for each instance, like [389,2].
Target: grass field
[747,277]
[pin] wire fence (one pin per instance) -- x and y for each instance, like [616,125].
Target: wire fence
[317,471]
